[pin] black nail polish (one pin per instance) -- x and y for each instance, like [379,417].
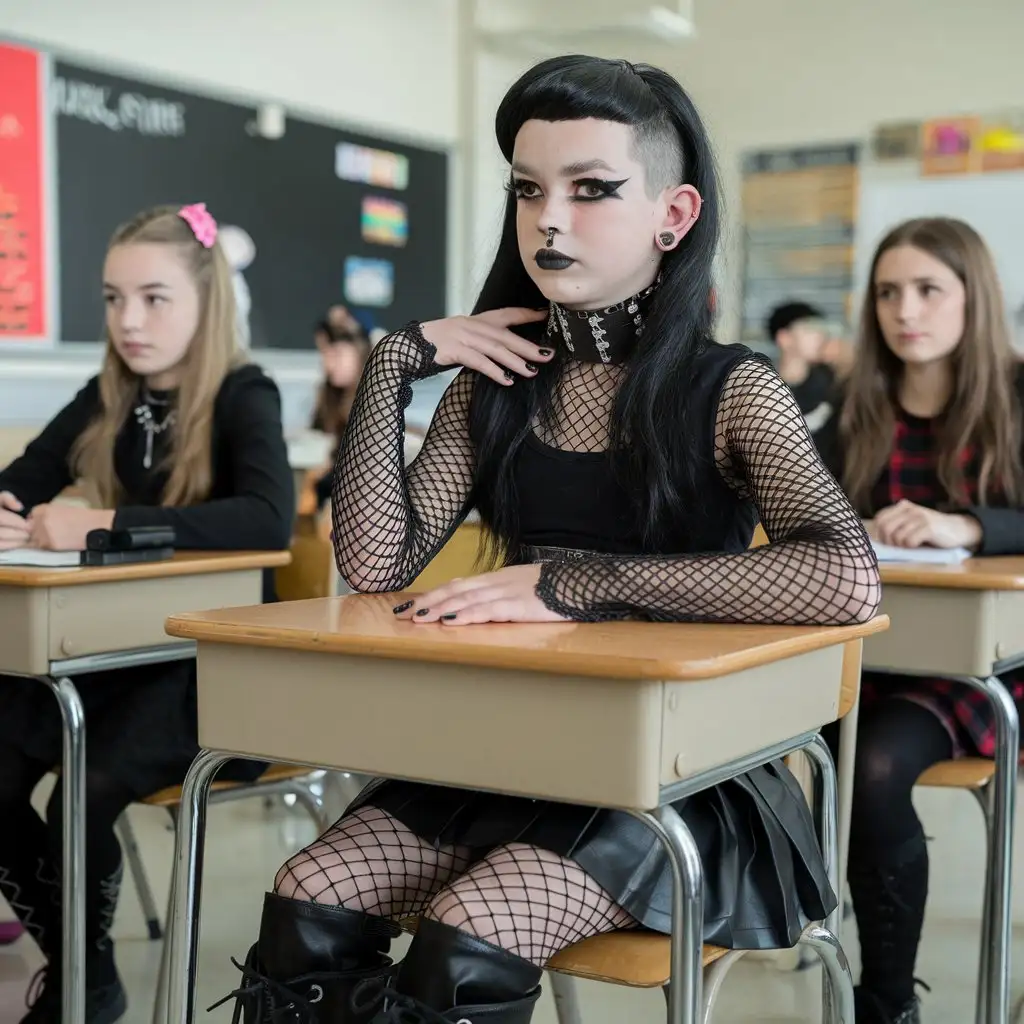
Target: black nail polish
[532,367]
[403,607]
[509,375]
[449,616]
[544,351]
[423,611]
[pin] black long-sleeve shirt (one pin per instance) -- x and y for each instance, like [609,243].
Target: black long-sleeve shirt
[251,505]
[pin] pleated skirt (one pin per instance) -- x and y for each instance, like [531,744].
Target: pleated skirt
[764,878]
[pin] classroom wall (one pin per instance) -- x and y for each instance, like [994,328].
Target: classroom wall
[793,71]
[764,74]
[386,65]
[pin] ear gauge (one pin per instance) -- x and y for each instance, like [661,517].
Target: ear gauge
[667,240]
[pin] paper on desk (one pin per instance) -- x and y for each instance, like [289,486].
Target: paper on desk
[929,556]
[41,559]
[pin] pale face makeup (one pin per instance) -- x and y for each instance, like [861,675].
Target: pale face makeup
[580,179]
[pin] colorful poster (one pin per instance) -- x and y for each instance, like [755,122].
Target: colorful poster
[951,146]
[385,221]
[375,167]
[22,238]
[369,282]
[1002,143]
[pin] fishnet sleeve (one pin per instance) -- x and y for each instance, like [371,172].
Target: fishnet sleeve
[819,568]
[389,520]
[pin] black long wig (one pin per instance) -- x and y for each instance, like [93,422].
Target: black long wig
[653,447]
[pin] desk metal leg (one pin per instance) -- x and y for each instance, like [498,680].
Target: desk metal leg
[838,980]
[686,979]
[828,805]
[73,866]
[183,927]
[1004,802]
[846,758]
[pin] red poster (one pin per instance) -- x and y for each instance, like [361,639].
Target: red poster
[22,239]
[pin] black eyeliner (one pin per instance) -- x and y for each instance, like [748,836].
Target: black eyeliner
[608,189]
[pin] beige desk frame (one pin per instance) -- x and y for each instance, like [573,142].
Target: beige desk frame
[61,623]
[613,715]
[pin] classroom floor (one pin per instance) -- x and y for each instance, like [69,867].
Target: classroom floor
[247,842]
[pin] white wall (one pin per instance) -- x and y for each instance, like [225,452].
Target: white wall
[382,63]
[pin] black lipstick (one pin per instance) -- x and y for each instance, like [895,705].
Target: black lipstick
[552,259]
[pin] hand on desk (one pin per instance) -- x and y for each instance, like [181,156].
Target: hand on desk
[906,525]
[508,595]
[14,528]
[64,527]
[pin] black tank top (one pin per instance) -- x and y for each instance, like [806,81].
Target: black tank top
[572,500]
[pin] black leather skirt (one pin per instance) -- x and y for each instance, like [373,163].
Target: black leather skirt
[764,878]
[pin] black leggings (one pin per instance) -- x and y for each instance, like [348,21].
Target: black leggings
[30,858]
[897,740]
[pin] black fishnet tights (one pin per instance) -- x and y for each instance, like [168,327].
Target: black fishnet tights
[370,861]
[530,902]
[389,521]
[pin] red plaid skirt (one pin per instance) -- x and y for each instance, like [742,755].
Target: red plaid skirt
[966,713]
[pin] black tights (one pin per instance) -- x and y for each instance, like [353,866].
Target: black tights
[897,740]
[30,859]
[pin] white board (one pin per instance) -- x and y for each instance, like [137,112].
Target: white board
[993,204]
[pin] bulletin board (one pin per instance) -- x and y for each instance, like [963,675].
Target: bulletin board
[24,298]
[799,219]
[334,215]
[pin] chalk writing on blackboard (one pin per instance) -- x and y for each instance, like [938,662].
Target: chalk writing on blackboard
[124,111]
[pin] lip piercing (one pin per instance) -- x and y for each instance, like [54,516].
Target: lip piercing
[551,238]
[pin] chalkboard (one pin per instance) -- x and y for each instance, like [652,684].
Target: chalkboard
[325,207]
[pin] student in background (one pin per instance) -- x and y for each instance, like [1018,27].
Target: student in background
[176,430]
[805,355]
[344,349]
[927,444]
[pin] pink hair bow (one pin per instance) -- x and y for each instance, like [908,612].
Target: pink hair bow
[203,226]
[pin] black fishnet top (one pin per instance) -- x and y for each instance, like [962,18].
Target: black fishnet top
[390,520]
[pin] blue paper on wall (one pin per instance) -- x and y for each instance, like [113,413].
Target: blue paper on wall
[369,282]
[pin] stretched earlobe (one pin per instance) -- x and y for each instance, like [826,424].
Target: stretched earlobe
[667,240]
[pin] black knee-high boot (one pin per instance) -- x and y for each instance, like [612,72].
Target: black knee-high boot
[889,901]
[309,958]
[29,880]
[453,975]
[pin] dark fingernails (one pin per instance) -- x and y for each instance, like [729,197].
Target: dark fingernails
[532,367]
[509,375]
[403,607]
[423,611]
[544,352]
[449,616]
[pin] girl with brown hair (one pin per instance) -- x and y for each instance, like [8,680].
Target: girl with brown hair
[176,430]
[927,444]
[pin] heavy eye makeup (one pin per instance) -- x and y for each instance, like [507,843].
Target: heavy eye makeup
[586,190]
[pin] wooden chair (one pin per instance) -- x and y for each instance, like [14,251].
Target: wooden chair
[277,780]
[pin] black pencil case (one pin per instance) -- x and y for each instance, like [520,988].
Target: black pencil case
[135,544]
[135,538]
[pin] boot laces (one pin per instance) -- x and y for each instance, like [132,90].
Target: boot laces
[279,1002]
[399,1007]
